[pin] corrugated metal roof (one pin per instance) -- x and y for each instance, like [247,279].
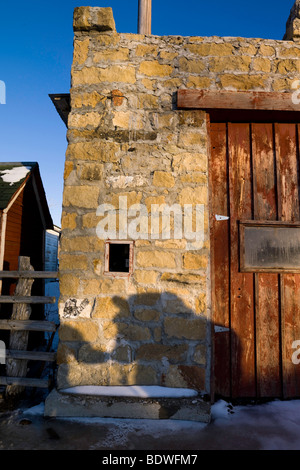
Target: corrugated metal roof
[12,175]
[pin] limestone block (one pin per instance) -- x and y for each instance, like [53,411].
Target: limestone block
[133,197]
[65,353]
[111,286]
[122,353]
[191,139]
[146,49]
[111,307]
[210,49]
[147,314]
[93,18]
[154,200]
[68,220]
[177,305]
[283,84]
[81,373]
[63,404]
[292,29]
[68,284]
[90,171]
[128,120]
[91,286]
[290,51]
[81,49]
[183,278]
[146,277]
[198,82]
[94,150]
[152,68]
[262,64]
[81,196]
[160,259]
[173,244]
[70,261]
[183,328]
[68,169]
[192,118]
[199,178]
[132,374]
[121,54]
[83,244]
[193,196]
[185,376]
[189,162]
[92,354]
[147,296]
[200,354]
[96,75]
[130,332]
[191,66]
[243,82]
[288,65]
[236,63]
[163,179]
[154,352]
[78,100]
[200,304]
[194,261]
[79,330]
[83,120]
[266,50]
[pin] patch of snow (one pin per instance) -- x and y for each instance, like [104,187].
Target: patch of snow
[35,410]
[141,391]
[15,174]
[274,425]
[219,410]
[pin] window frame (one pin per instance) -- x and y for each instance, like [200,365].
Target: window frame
[109,273]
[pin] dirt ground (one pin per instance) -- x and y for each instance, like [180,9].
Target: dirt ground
[270,426]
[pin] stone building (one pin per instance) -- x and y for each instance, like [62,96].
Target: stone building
[172,144]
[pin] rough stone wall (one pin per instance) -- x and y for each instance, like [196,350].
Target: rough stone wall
[126,138]
[293,23]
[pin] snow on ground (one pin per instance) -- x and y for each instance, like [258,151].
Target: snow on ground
[268,426]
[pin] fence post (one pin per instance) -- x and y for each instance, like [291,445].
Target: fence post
[19,339]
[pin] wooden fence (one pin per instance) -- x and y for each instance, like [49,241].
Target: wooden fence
[20,325]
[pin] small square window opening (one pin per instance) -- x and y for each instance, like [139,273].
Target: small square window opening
[118,257]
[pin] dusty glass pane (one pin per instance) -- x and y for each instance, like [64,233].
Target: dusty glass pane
[272,247]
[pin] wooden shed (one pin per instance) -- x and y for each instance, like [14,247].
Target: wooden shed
[24,217]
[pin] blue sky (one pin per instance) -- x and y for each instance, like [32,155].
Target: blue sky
[36,41]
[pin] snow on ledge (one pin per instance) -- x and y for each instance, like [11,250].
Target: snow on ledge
[140,391]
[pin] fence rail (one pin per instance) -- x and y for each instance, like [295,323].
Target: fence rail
[20,325]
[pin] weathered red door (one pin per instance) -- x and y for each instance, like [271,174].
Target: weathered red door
[254,173]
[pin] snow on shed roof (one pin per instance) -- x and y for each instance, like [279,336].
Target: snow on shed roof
[13,175]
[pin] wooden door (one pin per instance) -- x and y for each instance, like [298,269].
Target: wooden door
[254,174]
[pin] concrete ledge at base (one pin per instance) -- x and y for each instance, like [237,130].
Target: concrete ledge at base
[61,404]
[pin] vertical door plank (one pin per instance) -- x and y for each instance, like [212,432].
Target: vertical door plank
[266,284]
[242,289]
[220,259]
[288,197]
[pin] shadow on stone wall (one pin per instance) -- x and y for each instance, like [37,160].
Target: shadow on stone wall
[148,339]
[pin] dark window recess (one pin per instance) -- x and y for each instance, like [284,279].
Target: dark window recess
[119,257]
